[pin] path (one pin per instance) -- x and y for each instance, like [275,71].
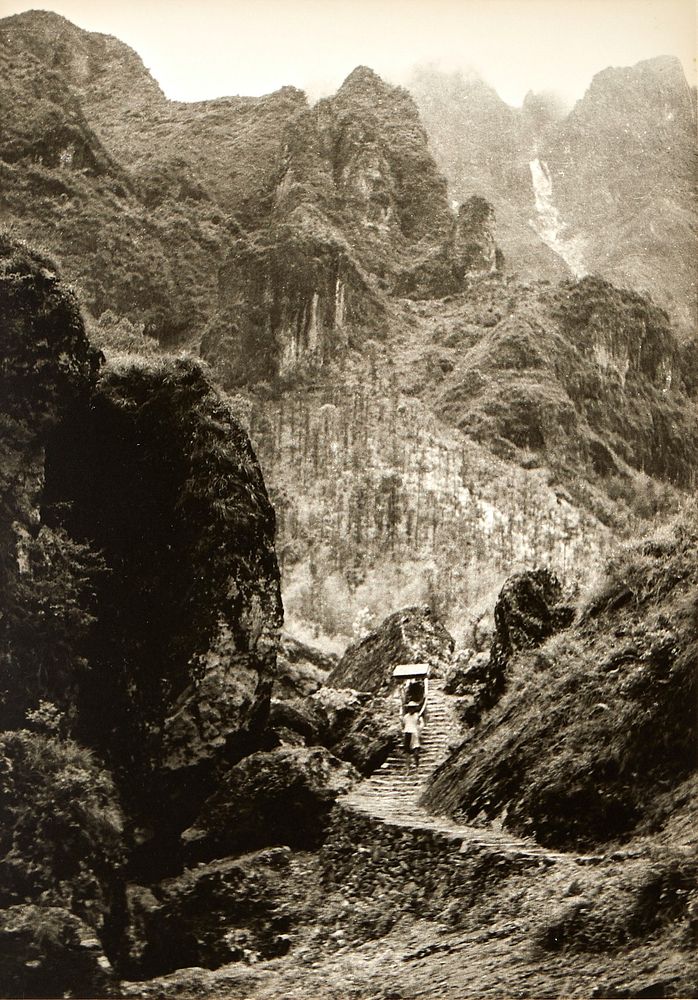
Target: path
[392,793]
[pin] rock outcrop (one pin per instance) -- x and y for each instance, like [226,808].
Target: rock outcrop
[469,251]
[163,481]
[141,613]
[281,796]
[48,373]
[412,635]
[529,609]
[221,912]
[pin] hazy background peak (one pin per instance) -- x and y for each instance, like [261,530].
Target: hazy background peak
[213,48]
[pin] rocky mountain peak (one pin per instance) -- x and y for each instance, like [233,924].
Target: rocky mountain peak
[363,78]
[366,93]
[94,63]
[649,87]
[39,20]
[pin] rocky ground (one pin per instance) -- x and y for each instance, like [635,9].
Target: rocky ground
[503,946]
[400,903]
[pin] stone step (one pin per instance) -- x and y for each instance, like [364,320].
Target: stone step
[392,793]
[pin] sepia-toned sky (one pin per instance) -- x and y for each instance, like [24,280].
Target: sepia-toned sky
[209,48]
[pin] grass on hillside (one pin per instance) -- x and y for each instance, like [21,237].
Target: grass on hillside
[599,723]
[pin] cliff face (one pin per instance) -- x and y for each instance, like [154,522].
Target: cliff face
[140,571]
[325,207]
[623,167]
[605,189]
[402,163]
[357,198]
[292,297]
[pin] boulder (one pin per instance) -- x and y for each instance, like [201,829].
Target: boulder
[281,796]
[225,911]
[49,952]
[356,727]
[161,478]
[300,669]
[530,607]
[412,635]
[296,722]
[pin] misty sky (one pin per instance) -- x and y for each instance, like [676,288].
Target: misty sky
[212,48]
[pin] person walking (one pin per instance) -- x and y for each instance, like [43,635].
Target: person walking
[412,733]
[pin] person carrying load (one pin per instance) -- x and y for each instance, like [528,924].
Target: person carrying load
[412,733]
[413,696]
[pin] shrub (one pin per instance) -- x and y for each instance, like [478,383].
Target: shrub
[61,827]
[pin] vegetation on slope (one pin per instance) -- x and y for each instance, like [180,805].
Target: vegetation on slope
[598,725]
[140,617]
[148,255]
[580,390]
[46,578]
[585,374]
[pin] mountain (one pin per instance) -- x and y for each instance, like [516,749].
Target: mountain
[623,168]
[359,211]
[609,187]
[482,146]
[423,415]
[431,433]
[63,189]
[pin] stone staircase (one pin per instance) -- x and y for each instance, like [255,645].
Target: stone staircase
[391,794]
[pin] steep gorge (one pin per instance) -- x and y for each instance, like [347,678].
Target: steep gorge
[324,253]
[621,166]
[427,423]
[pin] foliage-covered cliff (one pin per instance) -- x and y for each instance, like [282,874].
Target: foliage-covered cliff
[595,737]
[140,618]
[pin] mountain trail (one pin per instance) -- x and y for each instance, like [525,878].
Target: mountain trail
[392,793]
